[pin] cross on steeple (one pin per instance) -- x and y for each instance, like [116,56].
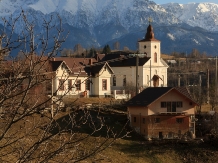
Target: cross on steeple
[150,20]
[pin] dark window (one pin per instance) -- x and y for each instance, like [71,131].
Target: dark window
[143,120]
[179,120]
[88,84]
[179,104]
[114,81]
[169,107]
[134,119]
[69,84]
[78,85]
[61,84]
[157,120]
[173,107]
[163,104]
[124,80]
[104,84]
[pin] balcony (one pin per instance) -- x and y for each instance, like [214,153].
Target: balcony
[172,113]
[120,94]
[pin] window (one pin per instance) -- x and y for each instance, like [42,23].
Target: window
[155,57]
[163,104]
[104,84]
[179,120]
[157,120]
[69,84]
[124,80]
[179,104]
[134,120]
[114,80]
[171,106]
[168,106]
[61,84]
[143,120]
[88,84]
[78,85]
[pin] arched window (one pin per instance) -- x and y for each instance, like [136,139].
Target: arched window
[155,57]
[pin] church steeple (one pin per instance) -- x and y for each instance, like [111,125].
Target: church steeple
[150,34]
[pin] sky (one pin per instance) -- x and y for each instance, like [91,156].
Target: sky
[184,1]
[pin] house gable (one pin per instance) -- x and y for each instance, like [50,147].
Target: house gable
[151,94]
[173,102]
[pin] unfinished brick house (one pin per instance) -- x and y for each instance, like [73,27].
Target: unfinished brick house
[162,112]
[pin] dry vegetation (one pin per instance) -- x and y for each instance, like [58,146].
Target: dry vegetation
[131,148]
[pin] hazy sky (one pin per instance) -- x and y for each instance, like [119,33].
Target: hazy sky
[183,1]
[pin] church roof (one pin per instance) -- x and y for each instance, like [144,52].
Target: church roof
[127,61]
[123,59]
[149,36]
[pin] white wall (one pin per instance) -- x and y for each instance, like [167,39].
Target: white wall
[62,74]
[97,90]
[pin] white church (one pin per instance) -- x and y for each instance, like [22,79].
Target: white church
[151,69]
[112,74]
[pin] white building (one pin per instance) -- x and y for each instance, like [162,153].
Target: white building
[99,77]
[79,77]
[152,69]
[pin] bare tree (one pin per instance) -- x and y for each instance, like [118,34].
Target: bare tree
[116,45]
[67,52]
[27,132]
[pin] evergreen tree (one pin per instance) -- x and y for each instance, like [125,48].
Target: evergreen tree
[106,49]
[92,52]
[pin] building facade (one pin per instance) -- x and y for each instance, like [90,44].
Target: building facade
[162,112]
[79,77]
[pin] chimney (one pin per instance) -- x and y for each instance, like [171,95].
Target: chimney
[90,61]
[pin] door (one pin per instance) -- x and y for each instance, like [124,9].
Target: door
[173,106]
[169,107]
[160,135]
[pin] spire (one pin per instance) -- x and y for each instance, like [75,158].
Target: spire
[150,34]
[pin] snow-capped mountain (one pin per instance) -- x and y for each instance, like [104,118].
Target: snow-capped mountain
[204,15]
[96,23]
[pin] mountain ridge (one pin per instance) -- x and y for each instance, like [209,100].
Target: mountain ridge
[113,20]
